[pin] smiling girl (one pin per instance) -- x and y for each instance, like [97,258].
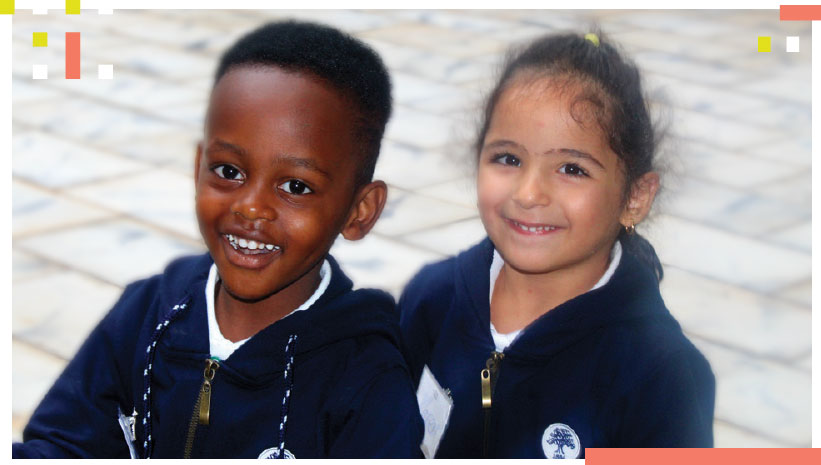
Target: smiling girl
[550,336]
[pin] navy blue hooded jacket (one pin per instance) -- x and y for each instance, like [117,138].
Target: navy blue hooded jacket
[349,391]
[611,366]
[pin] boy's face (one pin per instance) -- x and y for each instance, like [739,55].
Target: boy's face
[275,177]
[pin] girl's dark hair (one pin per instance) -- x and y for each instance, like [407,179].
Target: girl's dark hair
[611,87]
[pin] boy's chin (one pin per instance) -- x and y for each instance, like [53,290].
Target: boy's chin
[248,295]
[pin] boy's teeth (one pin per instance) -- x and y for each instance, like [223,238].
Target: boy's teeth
[238,242]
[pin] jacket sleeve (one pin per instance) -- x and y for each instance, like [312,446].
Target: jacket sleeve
[383,420]
[421,314]
[673,406]
[78,417]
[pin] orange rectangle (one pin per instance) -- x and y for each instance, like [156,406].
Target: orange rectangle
[795,456]
[72,55]
[800,12]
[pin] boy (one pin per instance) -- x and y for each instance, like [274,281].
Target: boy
[259,348]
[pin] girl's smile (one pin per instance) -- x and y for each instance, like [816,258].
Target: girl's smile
[550,188]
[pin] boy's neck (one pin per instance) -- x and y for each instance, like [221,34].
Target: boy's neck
[238,320]
[520,298]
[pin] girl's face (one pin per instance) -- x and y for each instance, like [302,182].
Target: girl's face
[550,190]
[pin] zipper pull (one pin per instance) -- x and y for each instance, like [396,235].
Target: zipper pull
[211,366]
[488,377]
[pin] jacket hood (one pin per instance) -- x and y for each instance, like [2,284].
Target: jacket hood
[630,297]
[340,313]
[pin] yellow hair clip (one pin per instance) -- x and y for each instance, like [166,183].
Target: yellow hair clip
[592,38]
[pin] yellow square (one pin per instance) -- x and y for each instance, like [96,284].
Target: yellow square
[764,44]
[6,7]
[72,7]
[40,39]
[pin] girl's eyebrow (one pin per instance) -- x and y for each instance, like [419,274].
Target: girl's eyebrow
[577,154]
[503,143]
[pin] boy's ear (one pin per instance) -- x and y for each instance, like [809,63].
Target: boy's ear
[641,199]
[368,204]
[197,162]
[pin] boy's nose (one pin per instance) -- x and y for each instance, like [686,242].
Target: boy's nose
[532,190]
[253,208]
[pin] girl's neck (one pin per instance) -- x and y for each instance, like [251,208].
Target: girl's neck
[520,298]
[238,320]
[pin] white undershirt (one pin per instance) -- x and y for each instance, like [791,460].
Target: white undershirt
[220,346]
[503,340]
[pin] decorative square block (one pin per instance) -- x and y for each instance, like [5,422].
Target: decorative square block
[39,39]
[792,44]
[105,71]
[72,7]
[39,72]
[6,7]
[764,43]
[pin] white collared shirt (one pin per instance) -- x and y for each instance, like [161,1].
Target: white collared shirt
[503,340]
[220,346]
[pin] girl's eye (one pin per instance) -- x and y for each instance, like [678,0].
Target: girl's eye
[296,187]
[507,159]
[572,169]
[228,172]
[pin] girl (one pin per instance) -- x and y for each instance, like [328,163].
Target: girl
[550,336]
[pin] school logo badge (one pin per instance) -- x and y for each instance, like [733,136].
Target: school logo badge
[559,441]
[271,453]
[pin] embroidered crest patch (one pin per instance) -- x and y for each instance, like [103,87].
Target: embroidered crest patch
[271,453]
[559,441]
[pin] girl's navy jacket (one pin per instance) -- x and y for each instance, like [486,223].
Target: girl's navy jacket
[326,382]
[609,368]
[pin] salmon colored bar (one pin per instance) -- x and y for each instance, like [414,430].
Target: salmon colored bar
[701,456]
[72,55]
[800,12]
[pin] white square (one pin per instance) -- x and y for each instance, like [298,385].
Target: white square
[792,44]
[105,71]
[42,11]
[104,11]
[39,71]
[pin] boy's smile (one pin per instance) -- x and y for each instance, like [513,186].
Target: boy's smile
[275,180]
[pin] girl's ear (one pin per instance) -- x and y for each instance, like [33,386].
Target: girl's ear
[368,204]
[641,199]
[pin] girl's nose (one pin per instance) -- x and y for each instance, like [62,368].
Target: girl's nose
[532,190]
[253,208]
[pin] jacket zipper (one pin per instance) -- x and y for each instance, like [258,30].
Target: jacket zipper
[202,408]
[489,377]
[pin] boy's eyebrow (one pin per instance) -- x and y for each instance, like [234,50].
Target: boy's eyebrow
[289,159]
[222,145]
[304,163]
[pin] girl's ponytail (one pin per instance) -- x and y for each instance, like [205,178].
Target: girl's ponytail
[641,248]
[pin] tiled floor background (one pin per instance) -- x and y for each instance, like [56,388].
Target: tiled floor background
[103,190]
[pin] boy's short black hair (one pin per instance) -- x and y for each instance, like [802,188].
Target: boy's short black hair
[335,57]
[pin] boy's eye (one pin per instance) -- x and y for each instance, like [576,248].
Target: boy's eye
[228,172]
[296,187]
[507,159]
[572,169]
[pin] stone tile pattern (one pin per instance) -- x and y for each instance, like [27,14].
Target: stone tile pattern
[106,198]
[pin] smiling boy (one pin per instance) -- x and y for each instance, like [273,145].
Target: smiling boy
[259,348]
